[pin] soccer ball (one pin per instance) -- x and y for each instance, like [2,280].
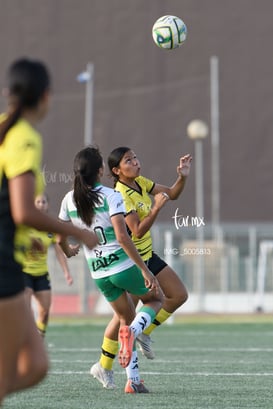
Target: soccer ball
[169,32]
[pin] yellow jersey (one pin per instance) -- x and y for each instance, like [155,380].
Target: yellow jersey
[140,202]
[36,265]
[20,152]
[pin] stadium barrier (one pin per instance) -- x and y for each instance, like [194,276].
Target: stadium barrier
[238,271]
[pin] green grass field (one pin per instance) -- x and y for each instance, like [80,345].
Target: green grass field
[200,363]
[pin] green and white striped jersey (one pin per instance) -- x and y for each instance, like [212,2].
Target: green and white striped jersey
[108,257]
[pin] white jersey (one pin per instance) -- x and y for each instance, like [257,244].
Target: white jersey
[108,257]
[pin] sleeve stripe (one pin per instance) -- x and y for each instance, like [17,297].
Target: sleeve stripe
[151,188]
[115,214]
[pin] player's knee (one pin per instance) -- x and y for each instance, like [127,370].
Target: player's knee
[184,297]
[3,393]
[37,369]
[180,298]
[40,370]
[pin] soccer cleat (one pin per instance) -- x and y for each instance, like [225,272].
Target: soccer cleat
[144,342]
[132,387]
[104,376]
[126,342]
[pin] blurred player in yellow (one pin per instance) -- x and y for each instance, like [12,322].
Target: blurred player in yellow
[23,358]
[36,275]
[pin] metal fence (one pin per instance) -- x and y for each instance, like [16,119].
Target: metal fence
[230,271]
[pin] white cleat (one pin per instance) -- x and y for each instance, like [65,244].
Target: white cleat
[104,376]
[144,342]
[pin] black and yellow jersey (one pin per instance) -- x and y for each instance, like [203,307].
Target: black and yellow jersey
[140,202]
[20,152]
[36,264]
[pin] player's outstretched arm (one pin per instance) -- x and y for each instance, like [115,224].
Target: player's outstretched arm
[183,171]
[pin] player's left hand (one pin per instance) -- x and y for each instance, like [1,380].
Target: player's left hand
[151,281]
[74,249]
[184,165]
[69,279]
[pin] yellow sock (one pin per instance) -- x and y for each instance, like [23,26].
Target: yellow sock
[109,349]
[161,316]
[41,327]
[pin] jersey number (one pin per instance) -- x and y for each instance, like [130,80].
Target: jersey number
[100,234]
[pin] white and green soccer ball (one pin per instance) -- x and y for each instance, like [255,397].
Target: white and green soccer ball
[169,32]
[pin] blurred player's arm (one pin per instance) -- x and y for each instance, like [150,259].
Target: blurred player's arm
[61,257]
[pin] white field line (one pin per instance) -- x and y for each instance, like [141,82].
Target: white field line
[205,374]
[186,333]
[216,333]
[192,333]
[184,349]
[161,361]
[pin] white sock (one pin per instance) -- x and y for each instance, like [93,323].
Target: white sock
[142,320]
[132,369]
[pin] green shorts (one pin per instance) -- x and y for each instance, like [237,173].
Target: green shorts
[130,280]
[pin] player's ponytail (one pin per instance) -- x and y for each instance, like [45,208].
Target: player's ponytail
[9,121]
[28,80]
[87,164]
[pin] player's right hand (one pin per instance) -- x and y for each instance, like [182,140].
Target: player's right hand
[160,199]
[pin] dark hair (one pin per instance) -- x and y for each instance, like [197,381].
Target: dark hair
[87,163]
[27,82]
[114,160]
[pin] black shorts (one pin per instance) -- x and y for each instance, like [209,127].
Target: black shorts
[11,280]
[37,283]
[155,264]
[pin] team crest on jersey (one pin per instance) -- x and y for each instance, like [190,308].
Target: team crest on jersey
[143,206]
[98,253]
